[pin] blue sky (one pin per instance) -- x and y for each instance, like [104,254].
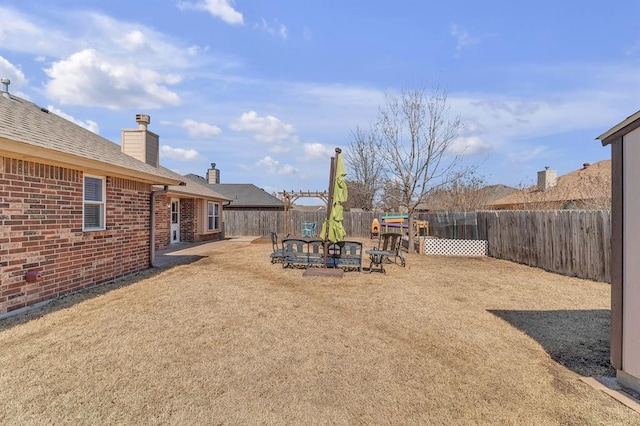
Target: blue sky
[267,89]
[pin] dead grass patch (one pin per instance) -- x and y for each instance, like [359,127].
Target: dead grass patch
[234,339]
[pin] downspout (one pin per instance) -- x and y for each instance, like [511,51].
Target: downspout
[152,248]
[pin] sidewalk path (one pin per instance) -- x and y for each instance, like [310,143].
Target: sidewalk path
[183,253]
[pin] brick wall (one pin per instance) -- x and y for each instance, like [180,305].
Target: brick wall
[163,222]
[188,220]
[41,229]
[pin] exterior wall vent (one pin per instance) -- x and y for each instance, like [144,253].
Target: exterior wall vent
[5,87]
[143,121]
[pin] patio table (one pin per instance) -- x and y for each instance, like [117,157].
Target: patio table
[377,258]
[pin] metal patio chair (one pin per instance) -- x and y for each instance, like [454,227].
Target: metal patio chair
[309,229]
[278,251]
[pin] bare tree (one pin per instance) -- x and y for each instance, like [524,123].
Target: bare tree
[415,132]
[468,193]
[391,196]
[359,196]
[365,166]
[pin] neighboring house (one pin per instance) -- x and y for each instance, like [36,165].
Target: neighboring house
[464,200]
[243,196]
[586,188]
[76,210]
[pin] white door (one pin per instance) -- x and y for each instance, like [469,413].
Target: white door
[175,221]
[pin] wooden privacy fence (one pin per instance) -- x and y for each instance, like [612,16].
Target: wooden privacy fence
[257,223]
[569,242]
[356,224]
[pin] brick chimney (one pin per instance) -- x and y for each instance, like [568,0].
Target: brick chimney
[140,143]
[213,174]
[547,179]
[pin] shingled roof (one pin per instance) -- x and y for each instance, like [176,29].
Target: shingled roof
[30,132]
[241,194]
[477,199]
[193,188]
[592,182]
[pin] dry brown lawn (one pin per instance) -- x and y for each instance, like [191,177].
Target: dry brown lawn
[233,339]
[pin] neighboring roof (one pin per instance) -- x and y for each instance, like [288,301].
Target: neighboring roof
[193,188]
[492,193]
[308,208]
[480,198]
[627,125]
[241,194]
[36,134]
[587,183]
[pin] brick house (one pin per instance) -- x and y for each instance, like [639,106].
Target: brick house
[589,187]
[75,208]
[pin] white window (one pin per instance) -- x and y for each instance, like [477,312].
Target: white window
[93,210]
[175,210]
[213,216]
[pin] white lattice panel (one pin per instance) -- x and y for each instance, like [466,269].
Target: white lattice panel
[444,247]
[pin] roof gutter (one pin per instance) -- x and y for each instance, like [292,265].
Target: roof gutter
[152,239]
[25,151]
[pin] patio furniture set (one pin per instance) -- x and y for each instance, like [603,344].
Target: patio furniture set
[301,252]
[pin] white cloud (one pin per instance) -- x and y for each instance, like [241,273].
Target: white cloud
[125,42]
[179,154]
[317,151]
[462,37]
[264,129]
[472,145]
[88,124]
[13,73]
[222,9]
[501,119]
[275,29]
[200,130]
[86,78]
[528,154]
[273,167]
[20,33]
[195,50]
[128,64]
[134,40]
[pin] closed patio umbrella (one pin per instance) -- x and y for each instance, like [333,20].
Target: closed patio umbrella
[332,228]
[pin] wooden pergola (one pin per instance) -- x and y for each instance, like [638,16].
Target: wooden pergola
[289,197]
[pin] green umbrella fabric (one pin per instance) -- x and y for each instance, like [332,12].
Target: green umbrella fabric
[336,230]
